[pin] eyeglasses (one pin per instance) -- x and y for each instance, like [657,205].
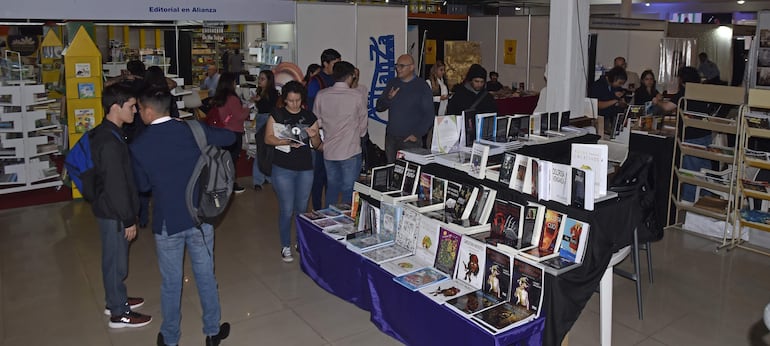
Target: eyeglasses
[400,66]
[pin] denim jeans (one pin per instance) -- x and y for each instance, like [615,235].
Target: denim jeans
[395,143]
[319,180]
[257,177]
[694,164]
[293,190]
[342,174]
[170,250]
[114,265]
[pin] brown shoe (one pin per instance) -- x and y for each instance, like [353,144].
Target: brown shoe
[130,320]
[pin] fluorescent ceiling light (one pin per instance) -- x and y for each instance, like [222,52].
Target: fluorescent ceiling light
[517,8]
[647,4]
[741,2]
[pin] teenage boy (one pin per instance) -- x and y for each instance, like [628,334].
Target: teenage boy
[115,204]
[164,157]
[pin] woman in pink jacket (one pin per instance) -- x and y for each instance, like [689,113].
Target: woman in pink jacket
[228,113]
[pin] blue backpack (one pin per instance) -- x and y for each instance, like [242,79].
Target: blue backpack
[80,166]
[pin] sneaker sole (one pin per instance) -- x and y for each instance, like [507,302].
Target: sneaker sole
[119,325]
[288,259]
[136,306]
[237,192]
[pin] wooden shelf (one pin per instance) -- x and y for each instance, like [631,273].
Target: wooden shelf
[704,153]
[710,125]
[754,194]
[687,206]
[755,225]
[764,164]
[683,178]
[757,132]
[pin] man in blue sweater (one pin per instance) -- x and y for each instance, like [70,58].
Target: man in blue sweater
[409,102]
[164,157]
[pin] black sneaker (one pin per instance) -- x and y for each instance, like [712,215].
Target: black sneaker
[257,187]
[133,303]
[224,332]
[161,341]
[130,320]
[238,189]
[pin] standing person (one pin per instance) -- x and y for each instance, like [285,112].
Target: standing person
[341,112]
[236,62]
[164,158]
[438,87]
[321,80]
[312,70]
[154,78]
[211,81]
[115,204]
[632,78]
[469,93]
[266,99]
[493,85]
[409,103]
[232,114]
[292,162]
[225,61]
[708,69]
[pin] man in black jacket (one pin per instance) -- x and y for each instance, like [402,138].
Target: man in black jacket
[467,94]
[115,204]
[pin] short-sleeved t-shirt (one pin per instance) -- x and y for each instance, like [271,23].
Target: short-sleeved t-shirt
[298,159]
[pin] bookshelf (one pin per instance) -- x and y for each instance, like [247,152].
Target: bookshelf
[83,79]
[208,48]
[752,195]
[25,147]
[722,182]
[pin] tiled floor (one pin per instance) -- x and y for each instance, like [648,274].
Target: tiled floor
[50,284]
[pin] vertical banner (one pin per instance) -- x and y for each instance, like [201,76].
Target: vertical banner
[509,54]
[381,38]
[324,25]
[430,52]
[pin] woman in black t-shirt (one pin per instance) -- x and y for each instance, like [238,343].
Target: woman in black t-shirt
[293,131]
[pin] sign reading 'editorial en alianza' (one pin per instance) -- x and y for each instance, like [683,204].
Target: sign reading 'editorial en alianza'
[172,10]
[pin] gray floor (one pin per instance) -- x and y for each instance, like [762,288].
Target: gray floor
[52,294]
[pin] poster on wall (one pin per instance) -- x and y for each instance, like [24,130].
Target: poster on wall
[459,56]
[379,44]
[430,52]
[509,54]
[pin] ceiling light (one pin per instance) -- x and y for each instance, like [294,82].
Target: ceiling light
[517,8]
[647,4]
[444,4]
[741,2]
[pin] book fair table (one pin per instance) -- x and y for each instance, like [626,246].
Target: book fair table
[409,317]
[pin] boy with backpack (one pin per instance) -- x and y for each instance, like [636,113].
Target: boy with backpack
[165,157]
[115,203]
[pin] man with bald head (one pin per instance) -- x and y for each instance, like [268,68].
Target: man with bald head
[211,81]
[409,102]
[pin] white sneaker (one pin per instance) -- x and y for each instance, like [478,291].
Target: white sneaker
[286,254]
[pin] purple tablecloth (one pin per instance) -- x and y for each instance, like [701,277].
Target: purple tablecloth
[408,316]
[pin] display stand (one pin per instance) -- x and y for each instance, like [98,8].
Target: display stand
[759,100]
[83,72]
[688,121]
[50,63]
[208,48]
[155,57]
[25,162]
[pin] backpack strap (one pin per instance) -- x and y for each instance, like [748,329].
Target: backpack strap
[480,97]
[200,136]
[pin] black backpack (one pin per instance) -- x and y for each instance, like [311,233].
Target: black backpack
[265,153]
[213,177]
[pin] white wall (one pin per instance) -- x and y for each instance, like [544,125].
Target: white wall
[325,25]
[640,48]
[483,30]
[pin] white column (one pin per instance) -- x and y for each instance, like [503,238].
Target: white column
[567,56]
[625,8]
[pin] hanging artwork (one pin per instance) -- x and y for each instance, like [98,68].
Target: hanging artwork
[509,54]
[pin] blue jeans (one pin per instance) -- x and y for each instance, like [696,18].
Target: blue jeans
[257,177]
[114,265]
[319,180]
[694,164]
[293,190]
[170,250]
[343,174]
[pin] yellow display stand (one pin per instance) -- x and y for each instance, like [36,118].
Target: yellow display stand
[83,72]
[50,62]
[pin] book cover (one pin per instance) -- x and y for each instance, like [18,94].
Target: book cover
[402,265]
[446,254]
[447,133]
[380,177]
[479,157]
[385,253]
[543,123]
[411,178]
[472,258]
[86,90]
[390,217]
[408,228]
[592,157]
[507,168]
[427,240]
[423,189]
[501,133]
[528,286]
[447,290]
[573,241]
[361,244]
[548,243]
[497,274]
[519,126]
[343,220]
[486,126]
[558,264]
[438,189]
[452,196]
[82,70]
[396,181]
[340,233]
[471,303]
[560,183]
[564,119]
[506,221]
[84,119]
[341,207]
[553,121]
[324,223]
[503,317]
[519,173]
[329,212]
[421,278]
[533,220]
[479,205]
[296,134]
[530,178]
[465,202]
[582,194]
[312,216]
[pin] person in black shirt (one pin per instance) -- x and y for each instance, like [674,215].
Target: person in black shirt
[473,89]
[266,100]
[608,92]
[493,85]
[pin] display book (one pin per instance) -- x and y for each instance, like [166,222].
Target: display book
[377,181]
[556,182]
[403,182]
[335,221]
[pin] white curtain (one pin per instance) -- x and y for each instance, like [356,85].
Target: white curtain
[675,53]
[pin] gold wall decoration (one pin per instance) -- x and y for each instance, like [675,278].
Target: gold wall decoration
[458,57]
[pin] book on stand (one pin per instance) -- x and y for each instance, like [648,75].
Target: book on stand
[420,278]
[519,173]
[548,242]
[507,168]
[483,205]
[404,242]
[582,188]
[425,248]
[479,157]
[592,157]
[572,248]
[467,277]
